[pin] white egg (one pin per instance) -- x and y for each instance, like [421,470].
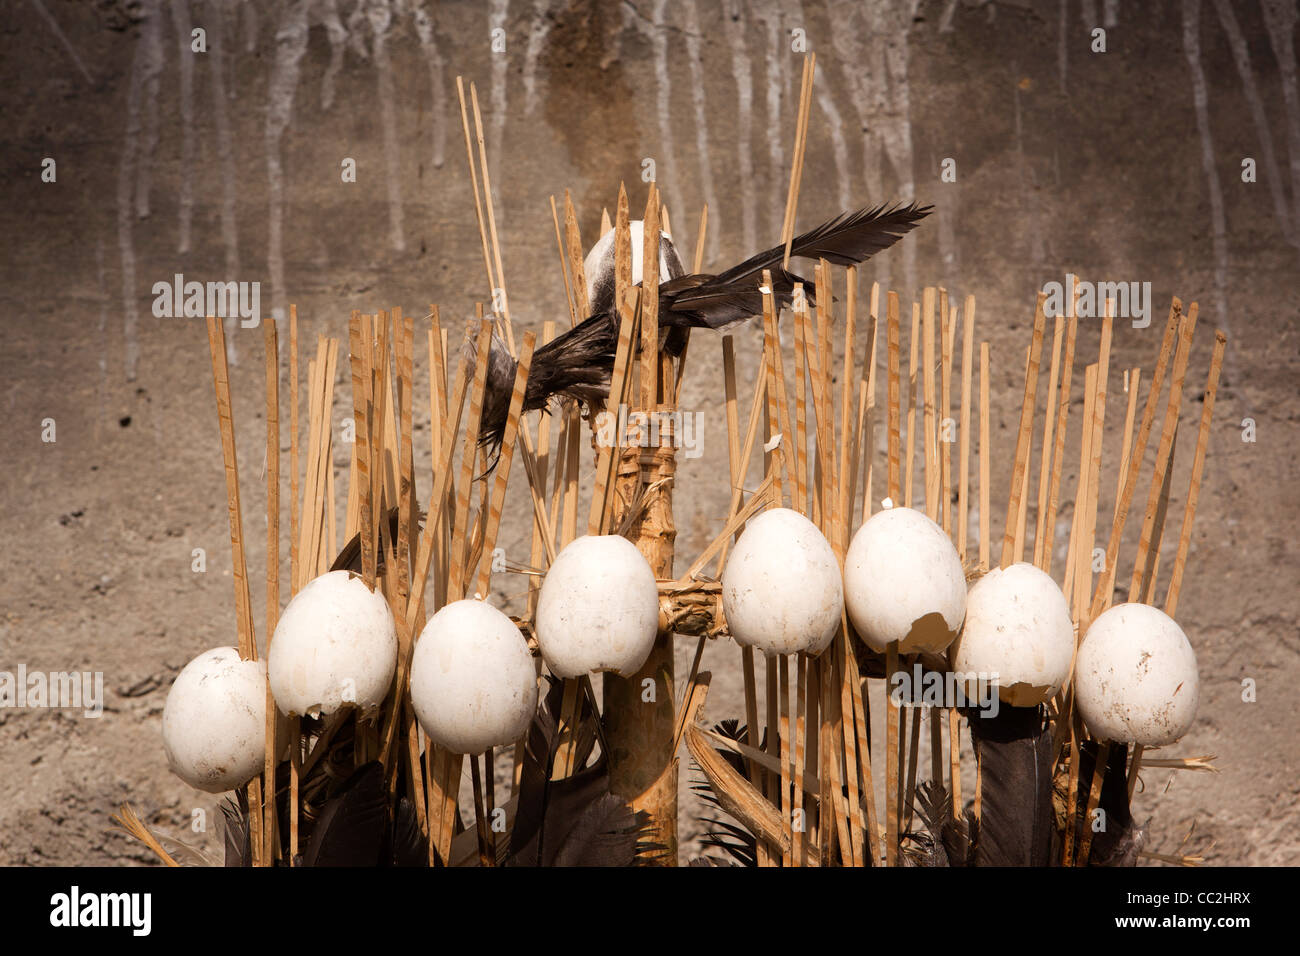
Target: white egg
[781,588]
[214,721]
[1136,680]
[598,609]
[1018,635]
[335,644]
[473,681]
[903,582]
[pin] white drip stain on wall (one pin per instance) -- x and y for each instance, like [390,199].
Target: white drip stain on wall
[537,34]
[702,128]
[658,34]
[216,27]
[290,44]
[500,13]
[125,238]
[1200,99]
[151,47]
[425,30]
[180,10]
[734,24]
[774,59]
[380,20]
[328,16]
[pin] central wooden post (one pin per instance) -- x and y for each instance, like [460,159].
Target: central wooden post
[639,710]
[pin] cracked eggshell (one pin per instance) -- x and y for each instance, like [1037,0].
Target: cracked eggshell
[781,588]
[335,644]
[1018,633]
[1136,679]
[214,721]
[598,609]
[903,581]
[473,681]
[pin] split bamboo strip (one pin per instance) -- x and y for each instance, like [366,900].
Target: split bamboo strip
[963,522]
[1105,585]
[1049,422]
[564,271]
[650,301]
[271,750]
[360,416]
[1198,466]
[1132,381]
[243,603]
[914,344]
[1163,451]
[293,449]
[1024,436]
[986,454]
[455,589]
[503,463]
[1058,455]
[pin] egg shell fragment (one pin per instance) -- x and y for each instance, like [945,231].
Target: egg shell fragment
[903,581]
[1136,678]
[214,721]
[781,588]
[598,609]
[1018,633]
[473,681]
[335,644]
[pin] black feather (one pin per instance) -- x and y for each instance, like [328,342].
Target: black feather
[1120,840]
[351,829]
[349,559]
[1014,750]
[579,363]
[575,821]
[237,841]
[406,846]
[846,240]
[737,842]
[933,807]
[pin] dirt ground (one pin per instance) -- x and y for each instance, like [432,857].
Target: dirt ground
[227,164]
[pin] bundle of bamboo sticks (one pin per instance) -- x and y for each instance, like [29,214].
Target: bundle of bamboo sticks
[843,463]
[808,792]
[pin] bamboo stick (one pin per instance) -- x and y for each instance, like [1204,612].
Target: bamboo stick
[914,344]
[1163,452]
[1132,381]
[1024,435]
[271,750]
[1105,585]
[1045,463]
[1058,455]
[985,456]
[243,603]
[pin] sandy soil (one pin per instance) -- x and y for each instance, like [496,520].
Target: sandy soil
[1066,160]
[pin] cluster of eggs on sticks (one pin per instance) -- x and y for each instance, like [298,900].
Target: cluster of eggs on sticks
[474,680]
[1135,674]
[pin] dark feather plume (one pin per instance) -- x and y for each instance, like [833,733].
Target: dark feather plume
[579,363]
[734,840]
[1121,839]
[353,825]
[234,811]
[1015,756]
[574,821]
